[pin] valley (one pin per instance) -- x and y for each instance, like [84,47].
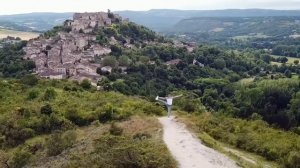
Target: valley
[82,94]
[13,33]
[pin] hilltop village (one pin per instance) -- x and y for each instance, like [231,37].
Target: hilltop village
[71,52]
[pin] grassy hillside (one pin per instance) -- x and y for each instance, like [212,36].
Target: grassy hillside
[254,136]
[41,119]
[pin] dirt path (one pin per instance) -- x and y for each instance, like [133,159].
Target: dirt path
[188,150]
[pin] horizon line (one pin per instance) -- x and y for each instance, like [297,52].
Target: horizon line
[52,12]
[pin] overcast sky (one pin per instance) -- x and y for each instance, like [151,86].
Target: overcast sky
[27,6]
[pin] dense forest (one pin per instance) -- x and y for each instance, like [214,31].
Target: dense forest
[217,84]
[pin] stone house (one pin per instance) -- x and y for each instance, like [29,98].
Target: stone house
[52,75]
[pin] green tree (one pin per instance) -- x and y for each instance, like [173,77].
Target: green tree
[86,84]
[220,63]
[124,61]
[144,59]
[109,61]
[30,80]
[288,73]
[284,60]
[49,94]
[296,62]
[116,50]
[266,58]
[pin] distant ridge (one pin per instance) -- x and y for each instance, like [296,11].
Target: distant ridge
[156,19]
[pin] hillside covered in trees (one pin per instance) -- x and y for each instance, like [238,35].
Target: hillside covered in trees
[239,94]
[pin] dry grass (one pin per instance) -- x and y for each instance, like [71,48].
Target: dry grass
[243,158]
[246,81]
[23,35]
[87,136]
[142,124]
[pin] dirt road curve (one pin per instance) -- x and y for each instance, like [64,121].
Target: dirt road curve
[188,150]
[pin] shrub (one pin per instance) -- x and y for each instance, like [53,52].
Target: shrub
[106,114]
[115,130]
[58,142]
[86,84]
[3,159]
[76,118]
[20,158]
[293,160]
[49,94]
[33,94]
[109,61]
[15,135]
[46,109]
[152,109]
[30,80]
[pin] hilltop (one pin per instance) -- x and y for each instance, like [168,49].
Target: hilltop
[81,48]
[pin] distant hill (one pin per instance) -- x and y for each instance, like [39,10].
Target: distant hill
[33,21]
[160,20]
[237,26]
[257,32]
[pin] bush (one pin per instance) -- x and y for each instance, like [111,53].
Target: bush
[86,84]
[76,118]
[16,134]
[148,109]
[106,114]
[33,94]
[293,160]
[115,130]
[49,94]
[20,158]
[30,80]
[3,159]
[58,142]
[109,61]
[46,109]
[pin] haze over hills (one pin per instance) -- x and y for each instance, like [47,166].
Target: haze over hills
[162,19]
[157,19]
[33,21]
[207,29]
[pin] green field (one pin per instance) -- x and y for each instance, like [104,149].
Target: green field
[23,35]
[246,37]
[290,60]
